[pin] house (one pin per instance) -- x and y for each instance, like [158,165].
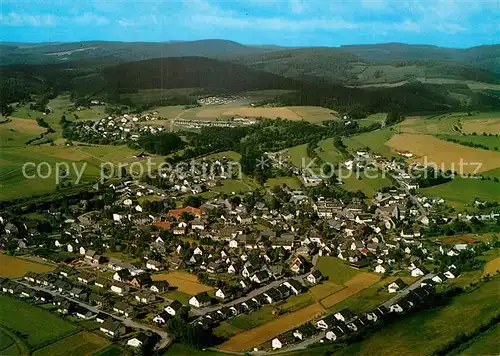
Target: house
[344,315]
[282,340]
[304,331]
[96,299]
[112,328]
[380,269]
[122,275]
[294,286]
[173,308]
[159,286]
[440,278]
[260,277]
[101,318]
[119,288]
[65,307]
[123,308]
[223,294]
[396,286]
[78,293]
[141,280]
[145,297]
[162,318]
[83,313]
[84,278]
[314,277]
[419,271]
[140,340]
[200,300]
[450,274]
[284,291]
[176,213]
[238,309]
[272,295]
[154,265]
[197,225]
[297,265]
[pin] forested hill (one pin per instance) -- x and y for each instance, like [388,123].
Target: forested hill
[15,53]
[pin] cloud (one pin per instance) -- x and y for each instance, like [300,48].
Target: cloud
[297,6]
[49,20]
[407,26]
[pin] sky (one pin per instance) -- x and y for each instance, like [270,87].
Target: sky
[448,23]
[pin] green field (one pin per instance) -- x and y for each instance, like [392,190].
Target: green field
[492,142]
[335,269]
[327,152]
[254,319]
[113,350]
[297,154]
[364,182]
[11,344]
[487,343]
[374,140]
[230,186]
[235,156]
[40,326]
[226,330]
[296,302]
[83,343]
[461,192]
[178,295]
[431,329]
[372,119]
[290,182]
[183,350]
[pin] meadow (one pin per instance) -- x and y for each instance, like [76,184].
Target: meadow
[335,270]
[484,344]
[291,182]
[431,329]
[40,326]
[186,282]
[353,286]
[461,192]
[12,267]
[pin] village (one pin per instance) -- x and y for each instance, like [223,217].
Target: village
[133,255]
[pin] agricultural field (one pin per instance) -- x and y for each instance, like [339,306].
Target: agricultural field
[81,344]
[432,329]
[324,289]
[492,267]
[16,131]
[295,302]
[295,155]
[186,282]
[230,186]
[40,326]
[444,154]
[177,349]
[485,344]
[492,142]
[235,156]
[335,269]
[226,330]
[461,192]
[327,152]
[378,118]
[12,267]
[253,319]
[369,181]
[178,295]
[353,286]
[11,344]
[290,182]
[259,335]
[374,140]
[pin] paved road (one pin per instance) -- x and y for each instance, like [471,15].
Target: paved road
[250,295]
[407,290]
[165,339]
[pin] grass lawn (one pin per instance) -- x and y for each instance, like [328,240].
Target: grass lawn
[296,302]
[461,192]
[235,156]
[328,152]
[178,295]
[84,343]
[290,182]
[226,330]
[487,343]
[11,344]
[5,341]
[429,330]
[254,319]
[40,326]
[335,269]
[17,267]
[236,186]
[369,182]
[374,140]
[297,154]
[113,350]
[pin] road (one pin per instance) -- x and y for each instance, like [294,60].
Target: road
[165,339]
[407,290]
[253,293]
[412,197]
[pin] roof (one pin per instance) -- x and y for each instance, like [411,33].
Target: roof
[175,305]
[295,284]
[203,297]
[111,325]
[162,225]
[188,209]
[399,282]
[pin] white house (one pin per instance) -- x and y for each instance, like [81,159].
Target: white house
[396,286]
[200,300]
[138,340]
[314,277]
[380,269]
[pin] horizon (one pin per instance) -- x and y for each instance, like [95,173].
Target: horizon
[246,44]
[290,23]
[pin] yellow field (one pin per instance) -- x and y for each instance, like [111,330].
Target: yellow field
[325,289]
[23,125]
[186,283]
[259,335]
[283,112]
[444,154]
[492,267]
[352,286]
[81,344]
[12,267]
[491,126]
